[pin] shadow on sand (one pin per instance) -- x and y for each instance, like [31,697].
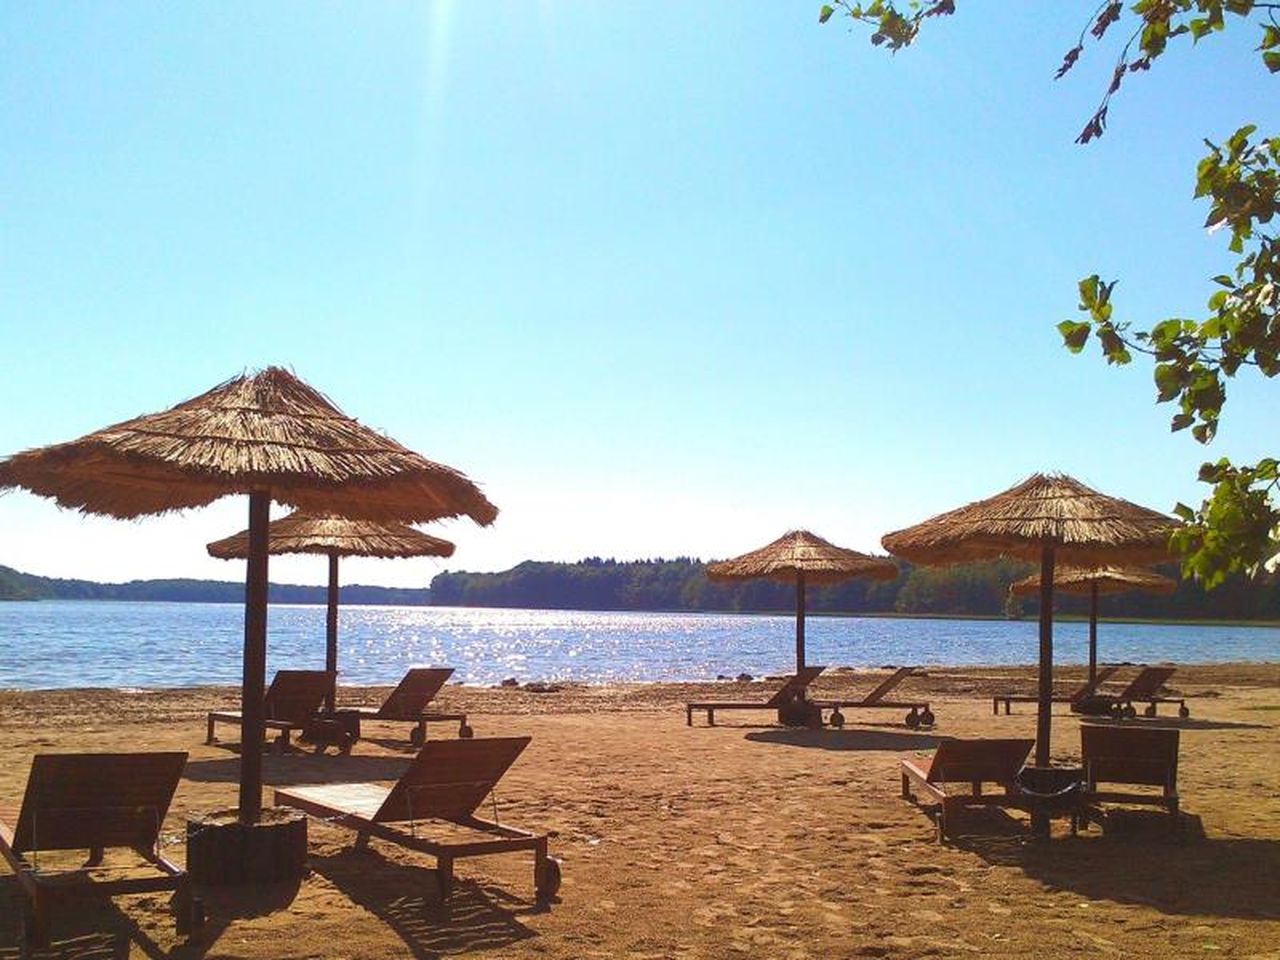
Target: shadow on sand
[1180,723]
[847,739]
[1141,863]
[295,768]
[472,918]
[94,929]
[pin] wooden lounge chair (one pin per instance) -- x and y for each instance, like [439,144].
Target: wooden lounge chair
[1132,756]
[1085,689]
[409,700]
[445,783]
[968,762]
[1144,688]
[293,702]
[918,710]
[793,688]
[93,801]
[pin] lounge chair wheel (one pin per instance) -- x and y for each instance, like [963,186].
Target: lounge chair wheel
[1149,710]
[416,736]
[548,879]
[465,732]
[927,717]
[837,719]
[1128,712]
[1184,711]
[912,719]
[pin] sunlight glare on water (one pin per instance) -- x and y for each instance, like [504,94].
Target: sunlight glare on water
[61,643]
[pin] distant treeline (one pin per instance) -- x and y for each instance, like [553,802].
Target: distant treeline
[24,586]
[977,589]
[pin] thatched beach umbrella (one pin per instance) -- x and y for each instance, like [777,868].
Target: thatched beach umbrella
[270,436]
[335,537]
[1045,518]
[802,558]
[1093,581]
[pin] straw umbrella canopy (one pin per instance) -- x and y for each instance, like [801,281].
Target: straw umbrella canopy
[801,557]
[269,436]
[1083,580]
[335,537]
[1045,518]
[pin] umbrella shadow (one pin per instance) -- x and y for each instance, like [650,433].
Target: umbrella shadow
[473,917]
[294,769]
[1181,723]
[401,745]
[1142,864]
[859,739]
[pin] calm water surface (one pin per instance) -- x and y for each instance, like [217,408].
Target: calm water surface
[60,643]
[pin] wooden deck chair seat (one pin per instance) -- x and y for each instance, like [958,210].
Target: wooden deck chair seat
[792,689]
[1086,689]
[94,802]
[1144,688]
[971,763]
[443,787]
[409,702]
[292,702]
[1143,756]
[918,712]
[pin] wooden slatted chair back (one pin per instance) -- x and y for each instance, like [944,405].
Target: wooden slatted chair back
[1127,754]
[979,761]
[449,779]
[1147,683]
[416,689]
[794,686]
[295,696]
[889,682]
[79,801]
[1088,689]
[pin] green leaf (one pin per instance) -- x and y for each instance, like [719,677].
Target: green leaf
[1074,335]
[825,13]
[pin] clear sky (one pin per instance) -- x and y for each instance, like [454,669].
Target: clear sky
[664,278]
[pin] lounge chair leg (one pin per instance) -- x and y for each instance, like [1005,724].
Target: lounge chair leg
[711,718]
[906,788]
[208,737]
[444,871]
[33,924]
[95,856]
[688,716]
[362,842]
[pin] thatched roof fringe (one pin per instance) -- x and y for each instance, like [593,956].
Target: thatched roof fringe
[1085,527]
[329,534]
[270,431]
[800,551]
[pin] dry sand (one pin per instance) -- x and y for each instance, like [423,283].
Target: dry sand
[743,840]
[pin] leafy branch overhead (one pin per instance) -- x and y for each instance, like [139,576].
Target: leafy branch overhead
[1236,528]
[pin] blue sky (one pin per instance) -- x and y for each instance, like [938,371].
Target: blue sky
[664,278]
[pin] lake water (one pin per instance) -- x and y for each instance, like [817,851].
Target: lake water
[117,644]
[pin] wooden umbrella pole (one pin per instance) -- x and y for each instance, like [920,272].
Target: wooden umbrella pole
[1045,697]
[252,693]
[799,620]
[1093,634]
[331,632]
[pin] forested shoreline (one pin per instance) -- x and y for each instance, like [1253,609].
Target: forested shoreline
[681,584]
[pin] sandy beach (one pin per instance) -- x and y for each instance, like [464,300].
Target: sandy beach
[742,840]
